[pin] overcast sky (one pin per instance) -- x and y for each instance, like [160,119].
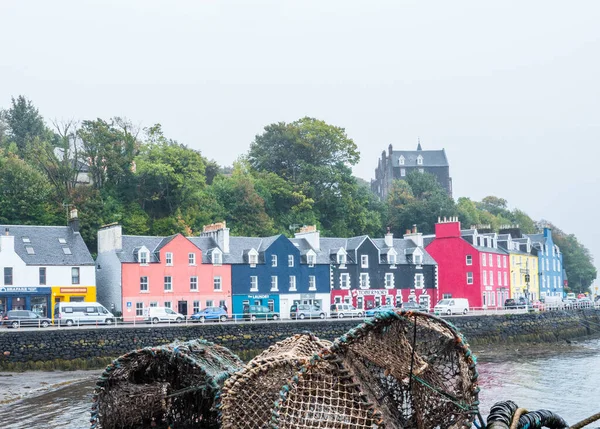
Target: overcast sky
[511,89]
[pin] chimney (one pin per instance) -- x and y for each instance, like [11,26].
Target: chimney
[415,236]
[219,232]
[448,228]
[310,234]
[414,229]
[389,238]
[390,150]
[74,220]
[110,238]
[7,241]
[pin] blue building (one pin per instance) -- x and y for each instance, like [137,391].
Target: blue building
[549,263]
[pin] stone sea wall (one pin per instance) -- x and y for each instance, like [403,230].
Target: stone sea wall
[97,345]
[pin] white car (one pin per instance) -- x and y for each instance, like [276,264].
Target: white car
[452,306]
[162,314]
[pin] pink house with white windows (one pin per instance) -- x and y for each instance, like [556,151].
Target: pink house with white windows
[137,272]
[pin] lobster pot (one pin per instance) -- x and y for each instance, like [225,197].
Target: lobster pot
[173,385]
[400,370]
[248,396]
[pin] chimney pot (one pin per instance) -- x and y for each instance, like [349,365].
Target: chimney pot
[5,231]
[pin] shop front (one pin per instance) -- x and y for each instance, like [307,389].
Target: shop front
[242,302]
[33,298]
[366,299]
[72,294]
[320,300]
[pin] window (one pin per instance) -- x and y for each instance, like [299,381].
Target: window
[74,275]
[418,258]
[271,305]
[469,260]
[217,258]
[505,278]
[311,260]
[403,172]
[29,250]
[144,284]
[8,276]
[364,261]
[292,283]
[168,285]
[139,308]
[26,240]
[419,160]
[290,260]
[217,283]
[62,241]
[209,303]
[483,259]
[341,258]
[504,258]
[419,281]
[169,258]
[499,278]
[193,283]
[167,304]
[491,278]
[42,275]
[274,286]
[498,261]
[364,281]
[252,258]
[485,278]
[312,283]
[153,304]
[389,280]
[491,258]
[273,260]
[191,258]
[554,265]
[401,160]
[144,258]
[492,299]
[222,304]
[67,251]
[253,284]
[392,259]
[345,281]
[196,306]
[470,278]
[547,265]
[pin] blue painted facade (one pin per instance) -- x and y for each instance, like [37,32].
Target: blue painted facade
[282,249]
[550,266]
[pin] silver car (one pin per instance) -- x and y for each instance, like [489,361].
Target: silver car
[345,310]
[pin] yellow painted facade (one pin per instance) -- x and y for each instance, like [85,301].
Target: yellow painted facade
[520,265]
[72,294]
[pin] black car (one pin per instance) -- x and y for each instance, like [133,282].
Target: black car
[413,305]
[520,303]
[23,318]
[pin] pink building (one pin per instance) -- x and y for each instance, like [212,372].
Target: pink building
[138,272]
[470,264]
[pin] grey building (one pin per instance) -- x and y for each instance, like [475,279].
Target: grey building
[397,164]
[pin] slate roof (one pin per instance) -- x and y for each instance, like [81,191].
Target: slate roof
[536,238]
[133,243]
[206,245]
[48,250]
[405,247]
[304,246]
[431,158]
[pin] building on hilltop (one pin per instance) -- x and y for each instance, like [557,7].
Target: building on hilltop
[397,164]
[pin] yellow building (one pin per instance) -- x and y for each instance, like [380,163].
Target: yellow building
[523,267]
[72,294]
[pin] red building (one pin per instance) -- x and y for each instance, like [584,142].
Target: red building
[470,264]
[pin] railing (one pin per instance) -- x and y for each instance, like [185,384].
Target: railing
[261,318]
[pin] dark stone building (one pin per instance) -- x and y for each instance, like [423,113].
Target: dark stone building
[397,164]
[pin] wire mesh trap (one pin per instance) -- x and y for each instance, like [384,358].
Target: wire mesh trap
[160,386]
[400,370]
[248,396]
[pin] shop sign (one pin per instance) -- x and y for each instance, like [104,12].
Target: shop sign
[73,290]
[258,296]
[370,292]
[24,289]
[488,288]
[308,295]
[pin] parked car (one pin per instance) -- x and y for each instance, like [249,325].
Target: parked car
[259,312]
[210,313]
[584,303]
[79,313]
[381,309]
[162,314]
[340,311]
[452,306]
[24,318]
[521,302]
[413,305]
[303,311]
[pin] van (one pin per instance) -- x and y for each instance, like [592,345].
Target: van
[162,314]
[452,306]
[80,313]
[310,311]
[260,312]
[341,310]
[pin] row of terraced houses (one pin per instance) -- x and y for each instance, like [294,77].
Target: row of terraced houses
[44,265]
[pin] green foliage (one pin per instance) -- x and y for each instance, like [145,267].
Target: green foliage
[24,123]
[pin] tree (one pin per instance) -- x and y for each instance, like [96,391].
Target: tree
[24,193]
[24,123]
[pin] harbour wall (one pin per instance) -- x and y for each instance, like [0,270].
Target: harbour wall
[48,348]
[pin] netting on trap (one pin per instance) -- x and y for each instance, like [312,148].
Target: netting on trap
[399,370]
[248,396]
[174,384]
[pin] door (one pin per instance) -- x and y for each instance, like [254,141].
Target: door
[182,307]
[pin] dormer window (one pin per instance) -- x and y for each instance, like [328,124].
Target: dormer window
[217,258]
[401,160]
[392,259]
[253,257]
[418,259]
[341,258]
[169,258]
[311,259]
[419,160]
[144,258]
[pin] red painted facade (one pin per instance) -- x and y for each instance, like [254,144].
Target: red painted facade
[182,296]
[462,272]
